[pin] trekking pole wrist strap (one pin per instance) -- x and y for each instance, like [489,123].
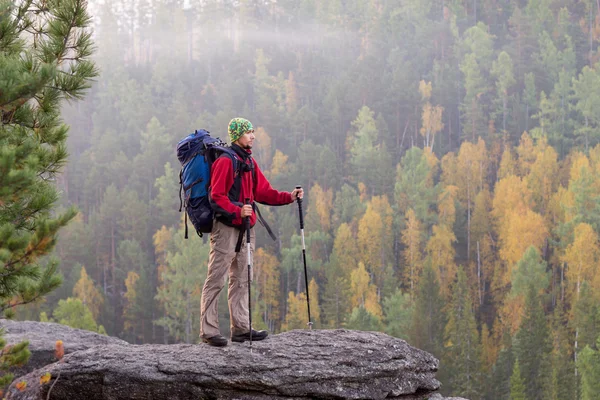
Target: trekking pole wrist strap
[263,222]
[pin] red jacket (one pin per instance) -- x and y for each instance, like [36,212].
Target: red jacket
[258,189]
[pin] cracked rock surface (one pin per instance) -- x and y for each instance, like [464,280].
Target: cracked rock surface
[42,337]
[300,364]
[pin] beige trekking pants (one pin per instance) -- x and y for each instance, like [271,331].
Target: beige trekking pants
[222,259]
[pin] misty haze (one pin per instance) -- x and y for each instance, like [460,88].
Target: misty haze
[449,153]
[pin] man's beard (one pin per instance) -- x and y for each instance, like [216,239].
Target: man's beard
[247,147]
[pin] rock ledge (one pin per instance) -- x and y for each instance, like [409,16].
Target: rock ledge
[300,364]
[42,337]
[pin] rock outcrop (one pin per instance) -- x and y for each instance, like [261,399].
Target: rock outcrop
[301,364]
[327,364]
[42,337]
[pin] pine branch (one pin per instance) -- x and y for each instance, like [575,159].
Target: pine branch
[22,303]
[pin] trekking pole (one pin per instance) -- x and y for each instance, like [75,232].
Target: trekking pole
[310,324]
[249,274]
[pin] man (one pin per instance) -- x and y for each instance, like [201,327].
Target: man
[228,191]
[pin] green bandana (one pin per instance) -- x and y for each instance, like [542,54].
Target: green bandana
[237,127]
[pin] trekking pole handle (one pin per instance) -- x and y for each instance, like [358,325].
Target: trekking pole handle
[299,200]
[247,222]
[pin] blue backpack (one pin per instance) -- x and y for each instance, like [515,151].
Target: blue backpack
[196,153]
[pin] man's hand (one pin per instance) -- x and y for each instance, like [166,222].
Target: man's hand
[297,193]
[246,210]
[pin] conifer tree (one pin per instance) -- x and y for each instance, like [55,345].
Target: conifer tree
[412,189]
[532,348]
[586,318]
[45,51]
[564,379]
[336,294]
[499,387]
[398,309]
[589,365]
[517,384]
[462,347]
[363,320]
[427,328]
[37,75]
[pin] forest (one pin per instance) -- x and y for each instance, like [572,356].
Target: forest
[450,155]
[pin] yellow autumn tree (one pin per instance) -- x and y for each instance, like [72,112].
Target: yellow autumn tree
[508,164]
[411,238]
[582,257]
[381,205]
[510,194]
[472,171]
[434,164]
[527,155]
[441,252]
[279,165]
[343,259]
[542,180]
[345,249]
[315,309]
[371,244]
[473,163]
[90,296]
[320,208]
[449,165]
[521,230]
[364,293]
[296,316]
[431,116]
[580,164]
[446,205]
[266,276]
[129,312]
[297,310]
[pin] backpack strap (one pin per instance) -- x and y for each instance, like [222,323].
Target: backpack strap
[180,189]
[186,227]
[181,204]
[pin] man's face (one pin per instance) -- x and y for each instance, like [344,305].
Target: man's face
[246,140]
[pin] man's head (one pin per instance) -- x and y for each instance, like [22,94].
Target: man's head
[241,132]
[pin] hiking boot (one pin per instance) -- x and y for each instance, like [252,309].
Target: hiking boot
[256,336]
[217,341]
